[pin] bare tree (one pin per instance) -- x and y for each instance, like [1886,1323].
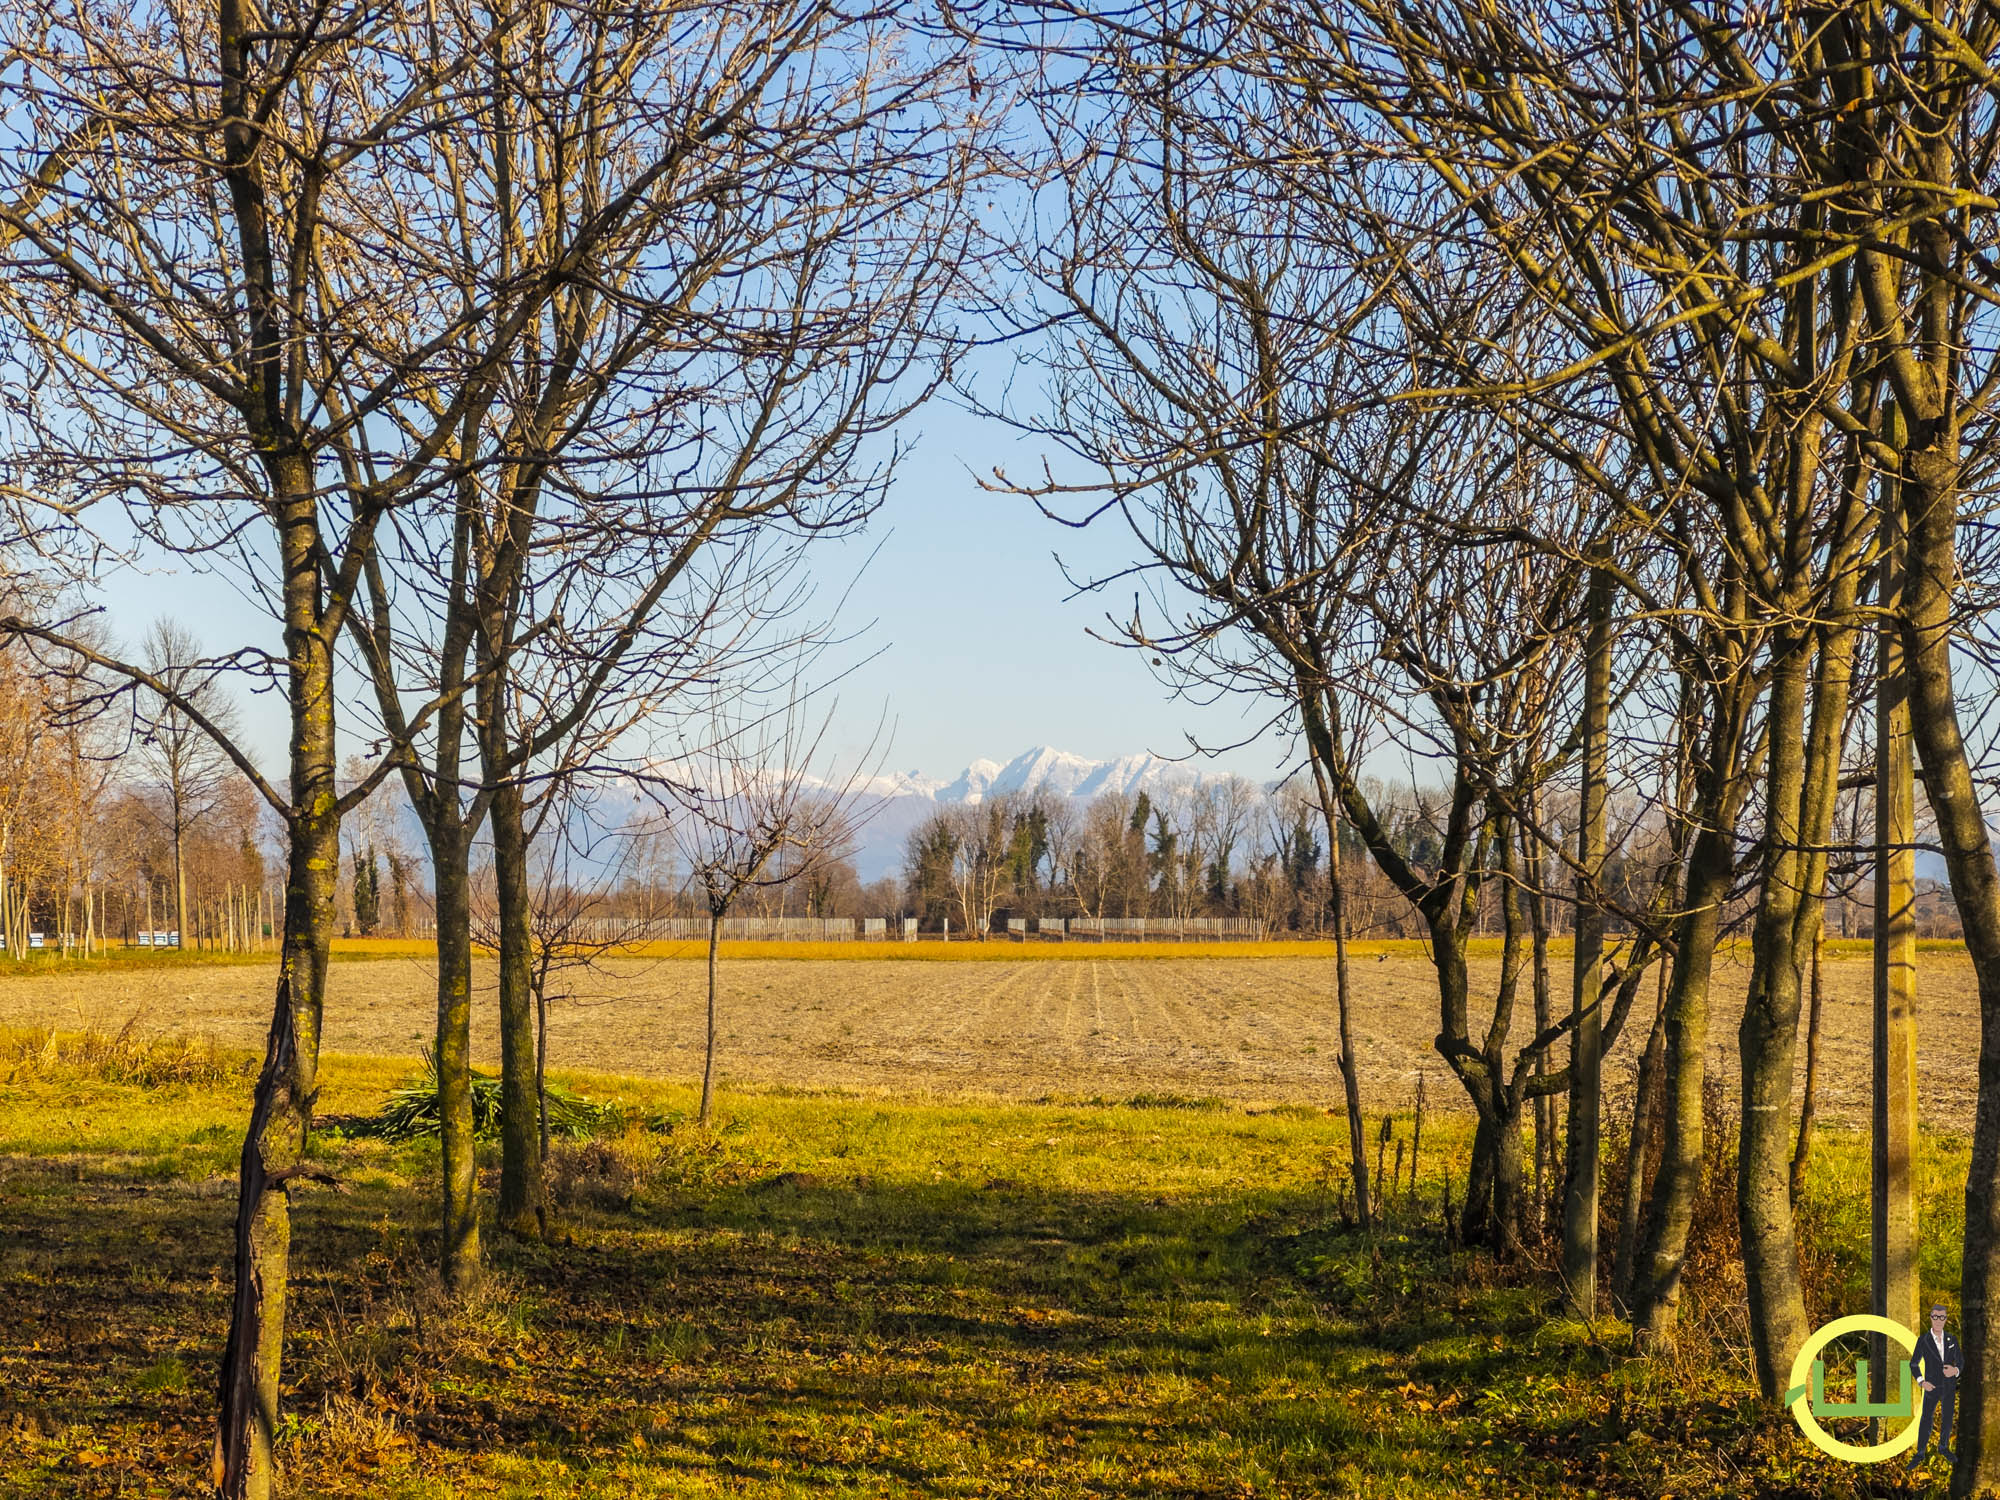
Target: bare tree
[752,811]
[1792,525]
[1218,393]
[235,294]
[1329,803]
[206,228]
[188,765]
[1062,831]
[755,257]
[981,832]
[1105,866]
[26,745]
[1696,370]
[81,765]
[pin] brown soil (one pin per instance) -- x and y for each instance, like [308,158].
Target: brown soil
[1248,1030]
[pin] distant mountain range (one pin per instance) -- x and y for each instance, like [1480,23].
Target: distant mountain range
[891,806]
[888,807]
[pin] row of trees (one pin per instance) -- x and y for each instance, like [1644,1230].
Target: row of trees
[120,817]
[1227,848]
[511,359]
[117,824]
[1592,402]
[1595,400]
[1217,847]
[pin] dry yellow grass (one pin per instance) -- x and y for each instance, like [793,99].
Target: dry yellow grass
[383,947]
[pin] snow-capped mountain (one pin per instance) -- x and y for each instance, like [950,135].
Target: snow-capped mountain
[892,805]
[1044,768]
[889,805]
[972,784]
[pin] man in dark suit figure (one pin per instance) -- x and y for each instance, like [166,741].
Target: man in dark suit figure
[1934,1367]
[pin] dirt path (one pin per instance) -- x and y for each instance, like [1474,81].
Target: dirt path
[1249,1030]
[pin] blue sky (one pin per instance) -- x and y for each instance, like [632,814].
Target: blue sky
[982,653]
[977,651]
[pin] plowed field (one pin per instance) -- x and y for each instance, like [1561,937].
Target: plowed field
[1249,1030]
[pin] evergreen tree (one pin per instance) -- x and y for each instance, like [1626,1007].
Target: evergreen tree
[1142,813]
[367,893]
[1300,860]
[399,888]
[927,871]
[1027,847]
[1166,851]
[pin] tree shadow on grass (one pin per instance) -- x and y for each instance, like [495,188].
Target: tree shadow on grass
[793,1335]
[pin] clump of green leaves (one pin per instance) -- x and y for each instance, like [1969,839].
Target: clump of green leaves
[412,1110]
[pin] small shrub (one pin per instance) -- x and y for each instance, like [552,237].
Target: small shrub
[168,1374]
[1714,1266]
[349,1431]
[596,1174]
[1176,1101]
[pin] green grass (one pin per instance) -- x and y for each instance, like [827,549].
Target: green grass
[839,1296]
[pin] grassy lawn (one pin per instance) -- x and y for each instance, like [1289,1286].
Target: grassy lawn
[838,1296]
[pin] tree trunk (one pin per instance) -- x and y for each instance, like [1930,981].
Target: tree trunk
[1767,1039]
[458,1252]
[1645,1107]
[1930,482]
[1493,1183]
[1662,1250]
[180,887]
[1809,1104]
[1509,1181]
[1581,1149]
[274,1147]
[1803,783]
[521,1208]
[1448,907]
[1476,1219]
[1495,1180]
[1350,1075]
[1893,1279]
[708,1055]
[437,792]
[542,1064]
[1545,1104]
[1507,1177]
